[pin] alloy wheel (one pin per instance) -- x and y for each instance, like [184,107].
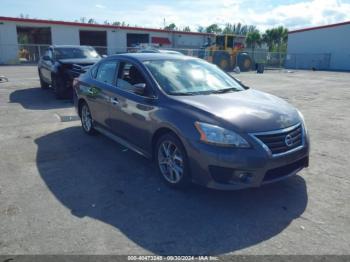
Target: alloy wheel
[86,118]
[170,161]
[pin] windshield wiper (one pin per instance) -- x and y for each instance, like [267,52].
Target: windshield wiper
[226,90]
[183,93]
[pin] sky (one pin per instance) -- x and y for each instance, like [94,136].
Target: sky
[293,14]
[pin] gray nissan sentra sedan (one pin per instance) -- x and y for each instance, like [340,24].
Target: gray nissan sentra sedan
[197,122]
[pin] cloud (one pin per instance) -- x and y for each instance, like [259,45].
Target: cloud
[308,13]
[205,12]
[100,6]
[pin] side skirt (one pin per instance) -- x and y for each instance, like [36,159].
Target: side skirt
[122,141]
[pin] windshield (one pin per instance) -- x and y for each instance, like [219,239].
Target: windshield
[190,77]
[76,52]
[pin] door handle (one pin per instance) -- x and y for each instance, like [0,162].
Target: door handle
[114,101]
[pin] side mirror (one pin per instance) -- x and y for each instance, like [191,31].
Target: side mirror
[46,58]
[139,88]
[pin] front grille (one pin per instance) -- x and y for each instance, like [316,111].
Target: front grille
[282,141]
[283,171]
[78,69]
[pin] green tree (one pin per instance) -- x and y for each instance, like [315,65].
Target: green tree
[170,27]
[213,28]
[276,39]
[281,38]
[200,29]
[238,29]
[268,39]
[92,21]
[21,15]
[186,29]
[253,40]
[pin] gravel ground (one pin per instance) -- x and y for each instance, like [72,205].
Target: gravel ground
[64,192]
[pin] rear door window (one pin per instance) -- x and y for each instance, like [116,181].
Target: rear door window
[106,72]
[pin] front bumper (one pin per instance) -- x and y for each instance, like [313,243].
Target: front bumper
[234,168]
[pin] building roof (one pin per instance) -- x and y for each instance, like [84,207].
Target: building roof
[318,27]
[55,22]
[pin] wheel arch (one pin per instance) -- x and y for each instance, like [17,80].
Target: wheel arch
[160,132]
[81,101]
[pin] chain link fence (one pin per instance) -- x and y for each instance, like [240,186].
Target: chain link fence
[308,61]
[29,53]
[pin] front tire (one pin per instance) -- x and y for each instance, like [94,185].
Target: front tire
[43,84]
[172,162]
[223,60]
[61,91]
[86,120]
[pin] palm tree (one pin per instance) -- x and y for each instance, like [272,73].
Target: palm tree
[238,29]
[253,40]
[267,38]
[276,38]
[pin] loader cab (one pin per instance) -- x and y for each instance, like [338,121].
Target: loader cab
[220,42]
[224,42]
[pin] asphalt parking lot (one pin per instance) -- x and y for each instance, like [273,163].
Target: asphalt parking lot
[62,191]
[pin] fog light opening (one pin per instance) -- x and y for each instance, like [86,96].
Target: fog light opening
[244,177]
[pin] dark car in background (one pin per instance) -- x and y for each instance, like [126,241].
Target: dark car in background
[197,122]
[61,64]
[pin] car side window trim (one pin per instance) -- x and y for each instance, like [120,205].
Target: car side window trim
[93,70]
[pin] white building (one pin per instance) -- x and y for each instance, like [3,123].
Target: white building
[34,35]
[322,48]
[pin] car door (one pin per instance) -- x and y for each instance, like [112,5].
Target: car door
[99,91]
[131,113]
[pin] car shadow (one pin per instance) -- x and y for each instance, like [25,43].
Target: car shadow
[95,177]
[37,98]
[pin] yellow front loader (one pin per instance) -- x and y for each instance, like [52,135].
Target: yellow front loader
[226,52]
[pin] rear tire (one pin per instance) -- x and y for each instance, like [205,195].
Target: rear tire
[245,62]
[172,162]
[86,119]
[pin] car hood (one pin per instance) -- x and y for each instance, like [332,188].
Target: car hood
[79,61]
[248,111]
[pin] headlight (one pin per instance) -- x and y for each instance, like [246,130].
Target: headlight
[219,136]
[303,121]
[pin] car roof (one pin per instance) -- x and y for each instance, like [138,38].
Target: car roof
[69,46]
[153,56]
[169,51]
